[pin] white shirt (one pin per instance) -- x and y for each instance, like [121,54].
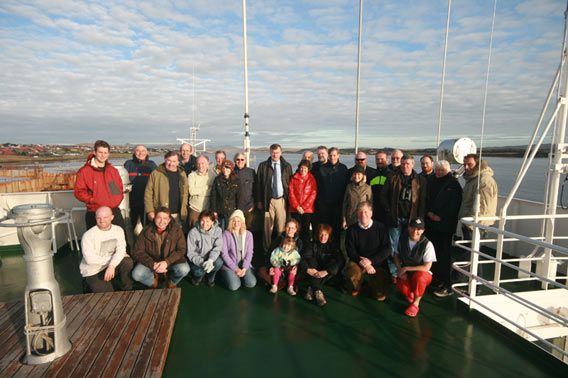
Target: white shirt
[101,249]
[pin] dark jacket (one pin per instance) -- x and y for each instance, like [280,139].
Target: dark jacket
[139,172]
[247,177]
[322,257]
[444,200]
[225,194]
[98,187]
[331,181]
[190,166]
[391,197]
[146,251]
[264,181]
[378,184]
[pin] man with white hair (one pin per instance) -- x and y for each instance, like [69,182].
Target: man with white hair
[199,182]
[104,254]
[442,207]
[308,155]
[396,157]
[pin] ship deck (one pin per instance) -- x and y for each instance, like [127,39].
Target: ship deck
[251,333]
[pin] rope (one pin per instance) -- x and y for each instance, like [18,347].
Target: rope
[442,85]
[485,105]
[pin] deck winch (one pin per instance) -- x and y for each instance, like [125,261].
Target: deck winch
[46,334]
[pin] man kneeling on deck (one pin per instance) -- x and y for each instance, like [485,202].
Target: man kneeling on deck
[368,247]
[104,254]
[160,249]
[413,258]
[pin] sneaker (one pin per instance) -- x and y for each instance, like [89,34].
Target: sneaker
[309,295]
[195,281]
[291,290]
[443,293]
[273,289]
[211,283]
[155,281]
[320,298]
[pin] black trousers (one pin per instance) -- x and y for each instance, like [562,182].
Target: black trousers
[304,220]
[442,268]
[97,284]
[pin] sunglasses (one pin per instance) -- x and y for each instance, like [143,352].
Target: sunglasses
[239,159]
[360,159]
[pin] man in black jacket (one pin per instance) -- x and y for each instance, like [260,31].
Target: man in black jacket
[442,207]
[273,178]
[332,180]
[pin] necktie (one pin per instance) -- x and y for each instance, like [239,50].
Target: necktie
[275,178]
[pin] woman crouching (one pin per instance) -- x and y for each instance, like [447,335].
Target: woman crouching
[321,262]
[204,244]
[237,254]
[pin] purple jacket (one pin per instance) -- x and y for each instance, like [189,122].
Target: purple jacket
[229,251]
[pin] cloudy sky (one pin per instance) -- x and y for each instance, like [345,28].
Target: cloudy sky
[76,71]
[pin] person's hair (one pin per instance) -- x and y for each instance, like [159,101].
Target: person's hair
[243,225]
[442,164]
[475,157]
[381,152]
[169,154]
[305,163]
[275,146]
[288,241]
[426,157]
[101,143]
[220,152]
[333,149]
[397,150]
[407,157]
[204,156]
[185,144]
[239,154]
[207,213]
[322,227]
[292,220]
[163,209]
[365,203]
[322,147]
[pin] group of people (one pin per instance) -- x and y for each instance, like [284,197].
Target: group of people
[198,219]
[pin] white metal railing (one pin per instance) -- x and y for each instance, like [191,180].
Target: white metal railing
[548,279]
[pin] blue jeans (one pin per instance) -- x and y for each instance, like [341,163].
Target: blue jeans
[198,271]
[145,275]
[394,236]
[233,282]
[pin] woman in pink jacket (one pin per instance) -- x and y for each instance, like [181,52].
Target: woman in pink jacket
[302,195]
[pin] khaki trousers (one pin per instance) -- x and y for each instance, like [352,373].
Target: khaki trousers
[274,217]
[379,282]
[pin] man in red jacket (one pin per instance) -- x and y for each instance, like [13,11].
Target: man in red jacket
[99,184]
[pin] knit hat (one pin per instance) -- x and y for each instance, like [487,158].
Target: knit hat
[238,213]
[228,164]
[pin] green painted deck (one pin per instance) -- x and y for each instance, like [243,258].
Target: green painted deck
[252,333]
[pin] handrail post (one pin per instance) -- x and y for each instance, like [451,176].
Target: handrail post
[474,261]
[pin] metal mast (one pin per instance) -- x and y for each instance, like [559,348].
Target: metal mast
[358,77]
[246,141]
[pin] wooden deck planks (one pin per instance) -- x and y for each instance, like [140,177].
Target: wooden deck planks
[121,333]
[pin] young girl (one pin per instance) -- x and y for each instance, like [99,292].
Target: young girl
[357,191]
[284,258]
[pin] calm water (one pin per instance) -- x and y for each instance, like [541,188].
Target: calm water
[505,169]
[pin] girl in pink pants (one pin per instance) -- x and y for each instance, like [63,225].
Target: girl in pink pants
[284,258]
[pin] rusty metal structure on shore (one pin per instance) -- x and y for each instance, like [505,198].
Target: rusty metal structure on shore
[35,180]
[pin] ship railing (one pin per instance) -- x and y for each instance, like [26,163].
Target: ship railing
[551,332]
